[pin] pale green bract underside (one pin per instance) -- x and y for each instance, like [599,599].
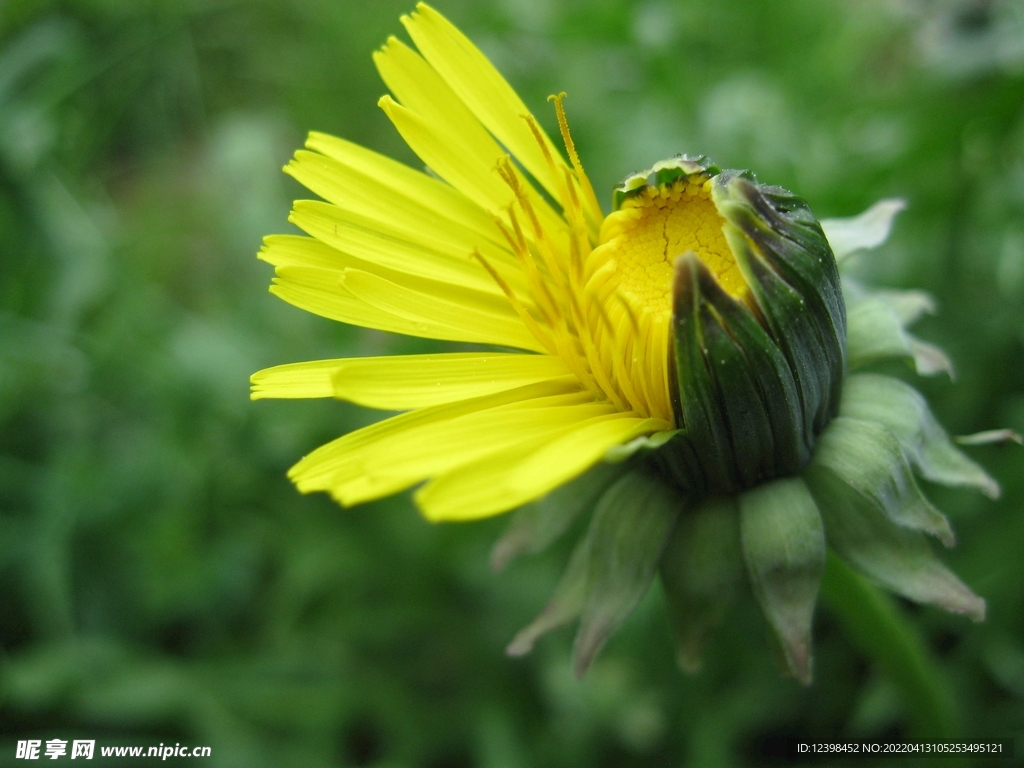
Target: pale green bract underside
[863,232]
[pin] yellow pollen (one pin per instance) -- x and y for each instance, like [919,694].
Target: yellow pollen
[656,226]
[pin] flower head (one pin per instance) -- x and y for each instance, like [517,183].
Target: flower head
[679,373]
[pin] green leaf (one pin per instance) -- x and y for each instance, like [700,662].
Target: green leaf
[784,549]
[866,457]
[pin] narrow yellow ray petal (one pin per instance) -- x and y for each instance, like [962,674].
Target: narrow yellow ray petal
[482,88]
[310,264]
[314,472]
[376,243]
[661,340]
[408,184]
[393,465]
[415,381]
[418,87]
[295,380]
[445,158]
[372,202]
[323,292]
[300,251]
[516,475]
[479,182]
[476,316]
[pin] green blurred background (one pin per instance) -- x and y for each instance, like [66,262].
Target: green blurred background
[160,579]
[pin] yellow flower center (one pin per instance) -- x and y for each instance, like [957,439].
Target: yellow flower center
[656,226]
[605,307]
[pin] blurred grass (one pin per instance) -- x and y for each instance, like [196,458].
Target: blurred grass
[161,579]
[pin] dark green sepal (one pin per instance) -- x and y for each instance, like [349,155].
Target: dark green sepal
[791,240]
[790,217]
[746,418]
[771,376]
[794,330]
[709,462]
[783,236]
[741,413]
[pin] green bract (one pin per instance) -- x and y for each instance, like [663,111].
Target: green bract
[785,450]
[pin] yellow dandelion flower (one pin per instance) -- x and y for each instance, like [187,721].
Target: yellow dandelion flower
[481,257]
[696,350]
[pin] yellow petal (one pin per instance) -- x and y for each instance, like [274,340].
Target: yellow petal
[418,88]
[416,381]
[314,472]
[475,178]
[324,292]
[445,158]
[391,465]
[516,475]
[299,251]
[408,184]
[376,243]
[366,204]
[404,382]
[482,88]
[466,314]
[309,379]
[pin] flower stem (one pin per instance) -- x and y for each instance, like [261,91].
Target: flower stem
[875,624]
